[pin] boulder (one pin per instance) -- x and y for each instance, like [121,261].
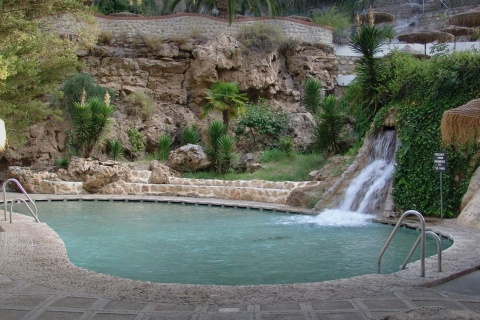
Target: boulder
[301,127]
[29,179]
[473,187]
[190,157]
[470,215]
[161,173]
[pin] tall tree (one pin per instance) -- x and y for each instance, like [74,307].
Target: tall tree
[33,59]
[225,97]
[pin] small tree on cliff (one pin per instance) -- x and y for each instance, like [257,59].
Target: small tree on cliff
[226,97]
[92,122]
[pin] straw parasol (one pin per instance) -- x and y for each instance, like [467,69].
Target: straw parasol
[425,37]
[466,19]
[378,17]
[457,31]
[462,124]
[409,50]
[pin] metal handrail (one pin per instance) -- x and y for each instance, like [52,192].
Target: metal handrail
[421,237]
[19,186]
[439,250]
[34,215]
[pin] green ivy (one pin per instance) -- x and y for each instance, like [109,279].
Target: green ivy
[420,97]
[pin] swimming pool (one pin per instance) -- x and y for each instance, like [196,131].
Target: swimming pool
[195,244]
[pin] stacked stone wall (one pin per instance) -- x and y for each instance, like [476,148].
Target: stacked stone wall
[346,65]
[188,24]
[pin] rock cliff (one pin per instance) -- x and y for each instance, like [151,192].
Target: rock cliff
[176,73]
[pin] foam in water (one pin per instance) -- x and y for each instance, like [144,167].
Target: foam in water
[332,218]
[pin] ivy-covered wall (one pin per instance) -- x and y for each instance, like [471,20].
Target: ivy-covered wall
[421,91]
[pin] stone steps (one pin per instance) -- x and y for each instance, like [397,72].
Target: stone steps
[251,190]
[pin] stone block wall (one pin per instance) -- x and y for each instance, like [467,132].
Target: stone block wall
[346,65]
[189,24]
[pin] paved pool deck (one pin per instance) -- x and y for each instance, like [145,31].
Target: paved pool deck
[37,281]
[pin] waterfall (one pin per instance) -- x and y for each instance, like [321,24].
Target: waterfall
[367,192]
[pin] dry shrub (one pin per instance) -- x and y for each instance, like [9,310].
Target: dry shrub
[105,37]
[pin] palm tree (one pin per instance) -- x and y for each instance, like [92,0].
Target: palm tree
[226,97]
[232,6]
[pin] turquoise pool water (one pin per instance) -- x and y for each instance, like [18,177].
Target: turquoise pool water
[195,244]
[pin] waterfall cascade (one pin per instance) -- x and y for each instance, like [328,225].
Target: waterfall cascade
[366,193]
[364,187]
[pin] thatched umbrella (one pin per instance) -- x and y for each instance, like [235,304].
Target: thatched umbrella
[466,19]
[462,124]
[457,31]
[409,50]
[378,17]
[425,37]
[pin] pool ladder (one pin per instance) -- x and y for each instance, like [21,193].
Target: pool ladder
[32,209]
[420,240]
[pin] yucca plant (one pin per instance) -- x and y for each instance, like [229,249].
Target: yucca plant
[328,133]
[191,135]
[215,130]
[92,122]
[226,153]
[164,145]
[116,149]
[312,97]
[371,70]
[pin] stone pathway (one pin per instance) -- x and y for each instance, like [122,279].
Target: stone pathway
[21,300]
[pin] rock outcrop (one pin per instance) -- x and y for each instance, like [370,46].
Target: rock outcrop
[190,157]
[176,73]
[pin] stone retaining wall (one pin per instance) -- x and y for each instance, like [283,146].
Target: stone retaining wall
[252,190]
[346,65]
[190,24]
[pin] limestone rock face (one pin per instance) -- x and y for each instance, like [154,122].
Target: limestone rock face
[473,188]
[470,215]
[177,74]
[302,129]
[190,157]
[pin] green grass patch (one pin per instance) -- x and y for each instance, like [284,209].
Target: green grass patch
[278,166]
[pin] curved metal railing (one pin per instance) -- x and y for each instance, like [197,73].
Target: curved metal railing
[33,211]
[421,240]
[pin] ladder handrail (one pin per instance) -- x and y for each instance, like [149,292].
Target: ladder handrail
[439,250]
[19,186]
[34,215]
[422,240]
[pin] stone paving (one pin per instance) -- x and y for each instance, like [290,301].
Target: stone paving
[21,300]
[45,287]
